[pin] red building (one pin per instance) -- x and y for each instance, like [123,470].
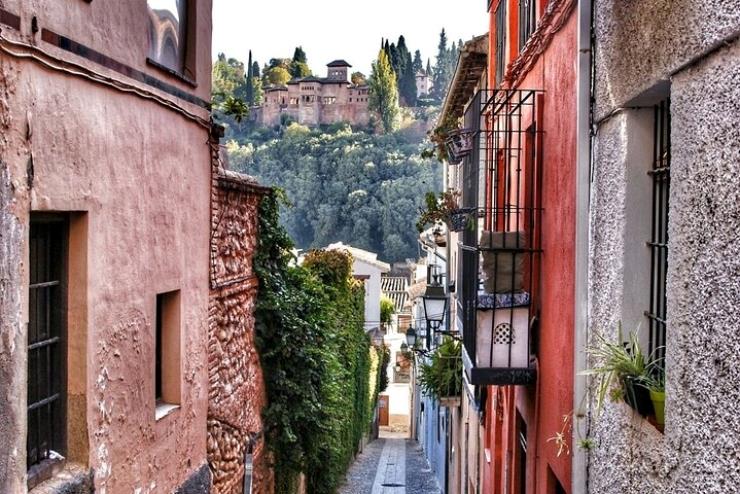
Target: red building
[533,51]
[515,259]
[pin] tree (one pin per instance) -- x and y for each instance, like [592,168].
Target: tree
[299,64]
[359,79]
[429,68]
[255,69]
[407,84]
[417,64]
[442,71]
[278,76]
[384,92]
[250,82]
[228,78]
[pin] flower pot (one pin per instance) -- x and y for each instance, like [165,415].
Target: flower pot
[637,396]
[658,399]
[459,144]
[459,219]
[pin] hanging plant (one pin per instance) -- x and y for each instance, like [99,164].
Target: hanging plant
[441,376]
[444,209]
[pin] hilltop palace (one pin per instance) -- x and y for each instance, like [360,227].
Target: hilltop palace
[317,100]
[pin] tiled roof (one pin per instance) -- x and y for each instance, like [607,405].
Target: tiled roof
[362,255]
[338,63]
[394,287]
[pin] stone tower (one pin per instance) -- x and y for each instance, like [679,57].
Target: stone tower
[338,70]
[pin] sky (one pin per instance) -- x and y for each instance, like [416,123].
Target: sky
[334,29]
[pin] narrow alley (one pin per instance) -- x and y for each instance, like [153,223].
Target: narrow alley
[391,465]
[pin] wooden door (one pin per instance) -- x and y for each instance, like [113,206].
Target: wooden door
[383,406]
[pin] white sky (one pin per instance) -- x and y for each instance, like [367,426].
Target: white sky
[332,29]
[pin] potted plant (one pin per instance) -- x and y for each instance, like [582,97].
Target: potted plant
[656,386]
[623,372]
[459,143]
[443,209]
[441,376]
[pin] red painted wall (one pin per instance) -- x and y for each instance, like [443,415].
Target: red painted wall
[543,405]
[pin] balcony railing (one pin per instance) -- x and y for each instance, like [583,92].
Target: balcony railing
[498,271]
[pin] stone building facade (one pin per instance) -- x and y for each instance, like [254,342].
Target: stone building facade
[317,101]
[106,176]
[236,393]
[666,148]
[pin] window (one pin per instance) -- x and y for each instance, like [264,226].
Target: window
[168,23]
[46,341]
[527,20]
[248,469]
[167,352]
[658,244]
[500,41]
[521,454]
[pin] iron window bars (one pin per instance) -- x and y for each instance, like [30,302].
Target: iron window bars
[658,244]
[527,20]
[500,42]
[500,251]
[46,340]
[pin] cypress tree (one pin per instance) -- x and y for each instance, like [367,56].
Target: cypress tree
[256,69]
[249,81]
[384,92]
[441,70]
[417,64]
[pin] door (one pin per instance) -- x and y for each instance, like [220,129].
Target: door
[383,406]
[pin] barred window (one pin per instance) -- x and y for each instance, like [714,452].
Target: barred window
[658,244]
[46,341]
[500,41]
[527,20]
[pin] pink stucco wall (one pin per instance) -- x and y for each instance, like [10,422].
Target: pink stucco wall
[139,173]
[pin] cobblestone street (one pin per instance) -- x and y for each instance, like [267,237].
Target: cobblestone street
[390,466]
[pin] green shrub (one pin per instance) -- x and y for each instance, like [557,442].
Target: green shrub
[442,376]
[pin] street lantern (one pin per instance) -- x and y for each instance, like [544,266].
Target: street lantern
[411,337]
[435,306]
[404,347]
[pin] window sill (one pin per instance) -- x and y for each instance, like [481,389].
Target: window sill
[163,410]
[71,478]
[187,80]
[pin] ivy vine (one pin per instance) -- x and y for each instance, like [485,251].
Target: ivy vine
[316,358]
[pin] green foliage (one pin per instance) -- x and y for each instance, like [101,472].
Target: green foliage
[384,92]
[385,359]
[441,377]
[315,355]
[616,361]
[417,64]
[358,78]
[277,76]
[358,188]
[299,64]
[387,309]
[235,108]
[444,68]
[436,209]
[228,79]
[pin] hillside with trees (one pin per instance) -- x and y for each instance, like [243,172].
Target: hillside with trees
[359,186]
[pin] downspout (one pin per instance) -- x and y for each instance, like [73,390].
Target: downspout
[581,417]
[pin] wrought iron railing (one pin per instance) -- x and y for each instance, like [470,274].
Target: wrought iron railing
[498,271]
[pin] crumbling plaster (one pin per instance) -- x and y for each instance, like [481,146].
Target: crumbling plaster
[699,450]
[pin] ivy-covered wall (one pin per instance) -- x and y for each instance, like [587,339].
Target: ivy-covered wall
[315,356]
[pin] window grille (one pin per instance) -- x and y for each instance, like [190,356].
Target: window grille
[527,20]
[46,341]
[500,41]
[658,244]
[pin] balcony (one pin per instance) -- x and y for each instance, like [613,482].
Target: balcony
[498,270]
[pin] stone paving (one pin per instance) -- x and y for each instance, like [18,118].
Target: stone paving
[390,466]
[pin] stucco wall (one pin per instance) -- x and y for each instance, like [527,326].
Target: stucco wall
[138,173]
[699,450]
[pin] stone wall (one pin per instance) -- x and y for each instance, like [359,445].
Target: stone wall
[236,393]
[690,51]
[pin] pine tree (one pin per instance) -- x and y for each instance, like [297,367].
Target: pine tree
[384,92]
[256,69]
[250,81]
[429,68]
[407,85]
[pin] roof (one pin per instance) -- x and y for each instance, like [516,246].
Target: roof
[319,80]
[275,88]
[394,287]
[362,255]
[471,64]
[417,289]
[338,63]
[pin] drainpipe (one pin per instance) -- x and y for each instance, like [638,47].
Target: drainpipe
[583,174]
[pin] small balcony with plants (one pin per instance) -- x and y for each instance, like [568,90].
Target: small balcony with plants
[500,246]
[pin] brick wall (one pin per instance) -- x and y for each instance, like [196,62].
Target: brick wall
[236,392]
